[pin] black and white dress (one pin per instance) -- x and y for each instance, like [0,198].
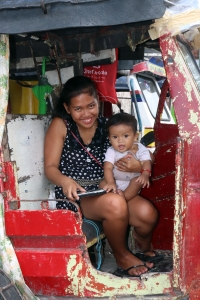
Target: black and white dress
[77,164]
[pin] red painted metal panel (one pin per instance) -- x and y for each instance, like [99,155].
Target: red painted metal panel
[44,222]
[9,185]
[45,271]
[162,190]
[163,234]
[141,67]
[45,262]
[42,241]
[147,66]
[186,103]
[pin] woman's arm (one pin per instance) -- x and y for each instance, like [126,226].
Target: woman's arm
[53,146]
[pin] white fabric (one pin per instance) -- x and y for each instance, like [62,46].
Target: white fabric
[123,178]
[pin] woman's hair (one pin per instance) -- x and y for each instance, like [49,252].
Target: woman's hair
[122,118]
[73,87]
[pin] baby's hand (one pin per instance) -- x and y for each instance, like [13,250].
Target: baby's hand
[143,179]
[110,186]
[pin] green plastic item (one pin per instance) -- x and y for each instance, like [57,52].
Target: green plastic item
[173,114]
[43,90]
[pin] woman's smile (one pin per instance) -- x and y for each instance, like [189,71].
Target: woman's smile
[87,121]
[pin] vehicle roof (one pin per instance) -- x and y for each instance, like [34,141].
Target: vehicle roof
[36,15]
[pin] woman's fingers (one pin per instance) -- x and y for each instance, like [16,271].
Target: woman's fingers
[72,189]
[121,165]
[124,163]
[129,163]
[80,188]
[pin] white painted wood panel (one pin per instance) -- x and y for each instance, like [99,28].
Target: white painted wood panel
[26,135]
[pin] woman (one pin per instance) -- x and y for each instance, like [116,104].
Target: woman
[76,129]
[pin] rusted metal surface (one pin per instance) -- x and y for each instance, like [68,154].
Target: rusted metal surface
[54,259]
[185,97]
[177,296]
[71,41]
[178,213]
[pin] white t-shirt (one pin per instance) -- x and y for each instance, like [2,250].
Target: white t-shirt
[123,178]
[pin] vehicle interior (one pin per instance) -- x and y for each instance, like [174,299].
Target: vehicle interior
[22,108]
[67,51]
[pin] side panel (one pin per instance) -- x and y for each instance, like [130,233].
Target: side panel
[55,262]
[185,97]
[25,141]
[162,189]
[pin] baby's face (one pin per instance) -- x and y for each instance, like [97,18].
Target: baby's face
[122,137]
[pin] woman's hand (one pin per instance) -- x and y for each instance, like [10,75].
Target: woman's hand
[70,188]
[129,163]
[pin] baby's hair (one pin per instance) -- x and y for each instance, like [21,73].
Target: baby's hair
[122,118]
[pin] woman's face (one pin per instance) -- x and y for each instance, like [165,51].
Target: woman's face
[84,110]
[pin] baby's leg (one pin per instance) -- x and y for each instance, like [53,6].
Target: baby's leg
[132,189]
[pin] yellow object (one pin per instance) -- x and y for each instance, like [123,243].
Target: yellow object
[22,99]
[146,130]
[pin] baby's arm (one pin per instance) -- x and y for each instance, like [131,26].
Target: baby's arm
[143,179]
[109,178]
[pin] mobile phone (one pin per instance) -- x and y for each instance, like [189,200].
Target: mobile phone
[92,193]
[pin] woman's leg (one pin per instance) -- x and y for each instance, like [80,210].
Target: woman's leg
[112,210]
[143,217]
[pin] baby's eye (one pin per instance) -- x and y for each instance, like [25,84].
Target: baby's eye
[126,135]
[114,137]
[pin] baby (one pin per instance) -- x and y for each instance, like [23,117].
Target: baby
[122,131]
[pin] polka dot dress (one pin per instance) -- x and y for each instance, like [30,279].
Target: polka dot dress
[76,163]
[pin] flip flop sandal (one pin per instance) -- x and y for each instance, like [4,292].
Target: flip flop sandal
[124,273]
[156,258]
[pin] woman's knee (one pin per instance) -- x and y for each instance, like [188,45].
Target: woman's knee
[143,210]
[152,215]
[116,205]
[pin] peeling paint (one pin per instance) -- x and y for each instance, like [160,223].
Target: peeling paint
[177,224]
[194,118]
[23,179]
[100,284]
[73,270]
[188,88]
